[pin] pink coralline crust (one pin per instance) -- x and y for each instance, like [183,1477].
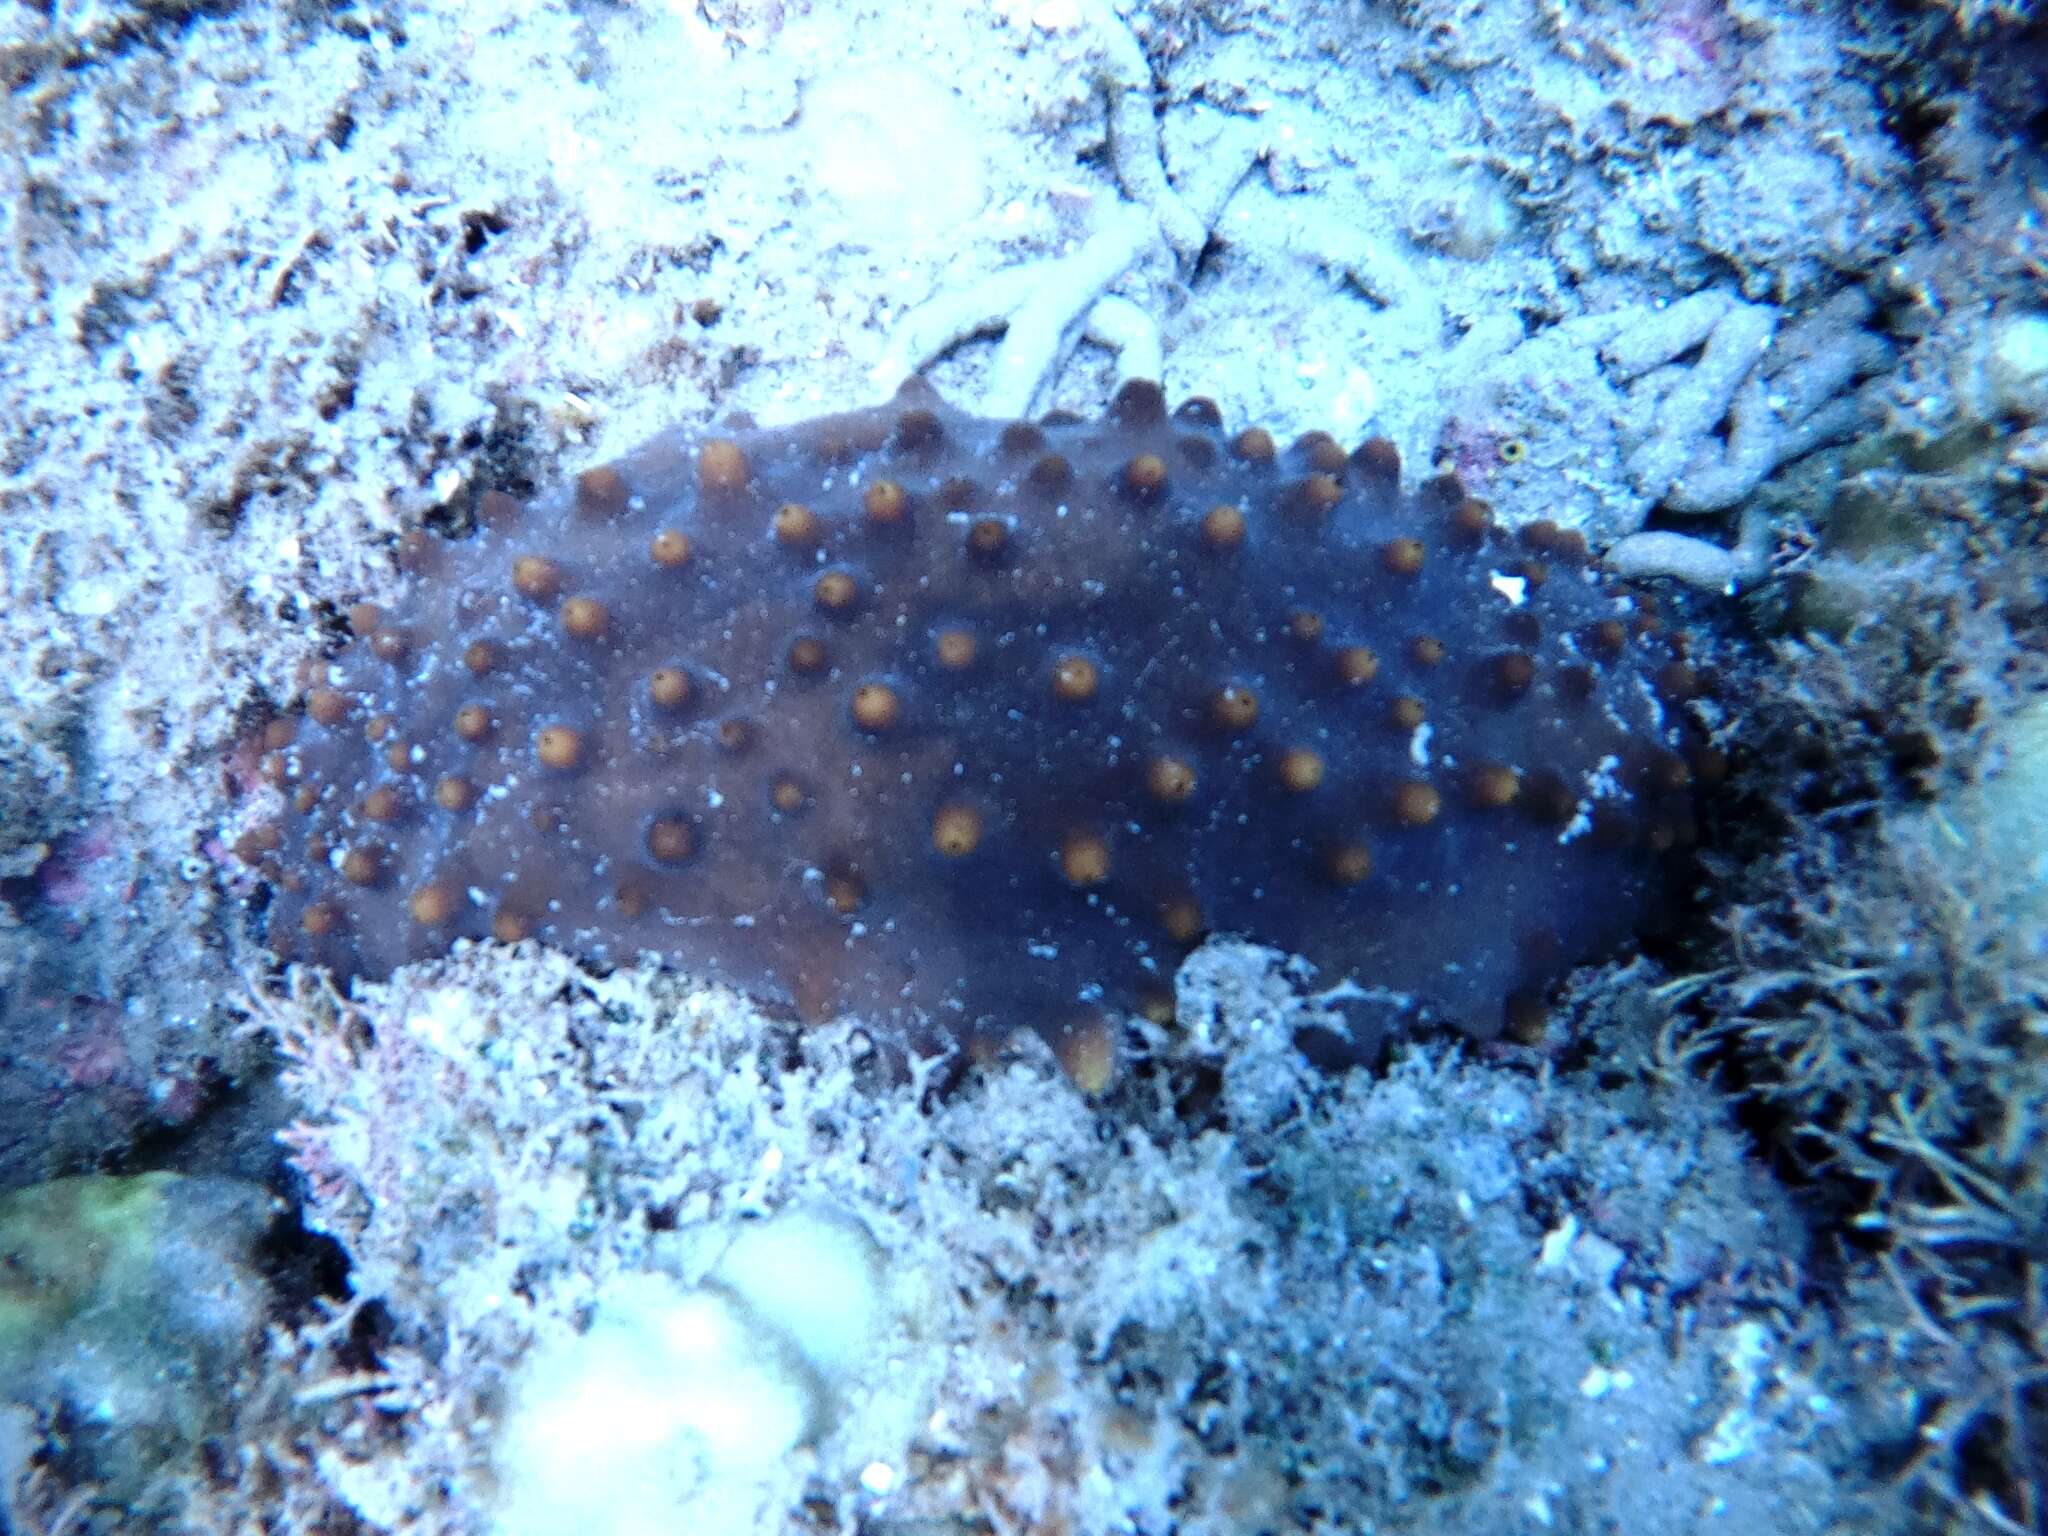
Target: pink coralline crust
[1475,451]
[965,725]
[65,875]
[93,1058]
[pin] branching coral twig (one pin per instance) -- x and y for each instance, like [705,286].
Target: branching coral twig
[1696,562]
[1793,404]
[1125,76]
[1044,307]
[1691,402]
[1041,309]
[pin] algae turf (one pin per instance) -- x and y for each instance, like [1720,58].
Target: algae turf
[1881,992]
[129,1309]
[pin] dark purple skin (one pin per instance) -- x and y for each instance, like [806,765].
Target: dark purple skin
[791,836]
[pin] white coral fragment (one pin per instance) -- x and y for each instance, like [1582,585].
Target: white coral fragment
[678,1398]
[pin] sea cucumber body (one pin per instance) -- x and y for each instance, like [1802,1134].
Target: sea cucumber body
[966,725]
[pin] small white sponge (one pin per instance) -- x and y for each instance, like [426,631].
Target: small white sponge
[679,1401]
[813,1273]
[2016,365]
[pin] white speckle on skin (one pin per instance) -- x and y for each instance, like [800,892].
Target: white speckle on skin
[1599,1381]
[878,1477]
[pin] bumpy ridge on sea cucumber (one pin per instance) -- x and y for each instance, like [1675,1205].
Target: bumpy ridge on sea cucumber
[968,724]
